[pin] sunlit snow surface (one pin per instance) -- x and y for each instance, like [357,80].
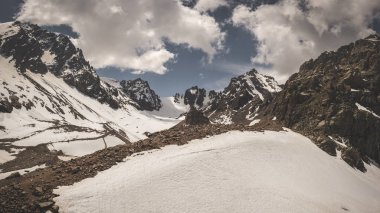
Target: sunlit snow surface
[233,172]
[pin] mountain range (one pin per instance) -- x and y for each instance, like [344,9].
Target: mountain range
[54,107]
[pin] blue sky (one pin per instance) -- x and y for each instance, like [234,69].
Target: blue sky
[190,68]
[246,36]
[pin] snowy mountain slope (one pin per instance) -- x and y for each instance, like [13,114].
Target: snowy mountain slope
[233,172]
[48,110]
[50,94]
[39,51]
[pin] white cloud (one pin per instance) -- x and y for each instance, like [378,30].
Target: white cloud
[288,35]
[129,34]
[209,5]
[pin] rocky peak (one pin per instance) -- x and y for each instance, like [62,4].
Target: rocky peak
[237,101]
[336,96]
[195,96]
[141,93]
[34,49]
[253,84]
[242,97]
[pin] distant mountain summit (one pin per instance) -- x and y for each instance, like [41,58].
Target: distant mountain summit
[141,93]
[335,100]
[238,102]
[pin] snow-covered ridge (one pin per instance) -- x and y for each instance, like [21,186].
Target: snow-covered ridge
[233,172]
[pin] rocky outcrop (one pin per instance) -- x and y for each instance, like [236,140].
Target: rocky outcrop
[337,95]
[196,117]
[195,97]
[141,93]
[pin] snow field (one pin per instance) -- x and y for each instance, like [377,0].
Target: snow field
[233,172]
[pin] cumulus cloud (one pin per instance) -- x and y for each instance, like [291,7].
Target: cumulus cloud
[209,5]
[129,34]
[293,31]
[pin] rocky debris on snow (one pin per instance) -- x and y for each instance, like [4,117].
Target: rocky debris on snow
[337,94]
[33,192]
[30,157]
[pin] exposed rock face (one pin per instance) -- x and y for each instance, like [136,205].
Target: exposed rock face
[39,51]
[196,117]
[195,96]
[338,95]
[141,93]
